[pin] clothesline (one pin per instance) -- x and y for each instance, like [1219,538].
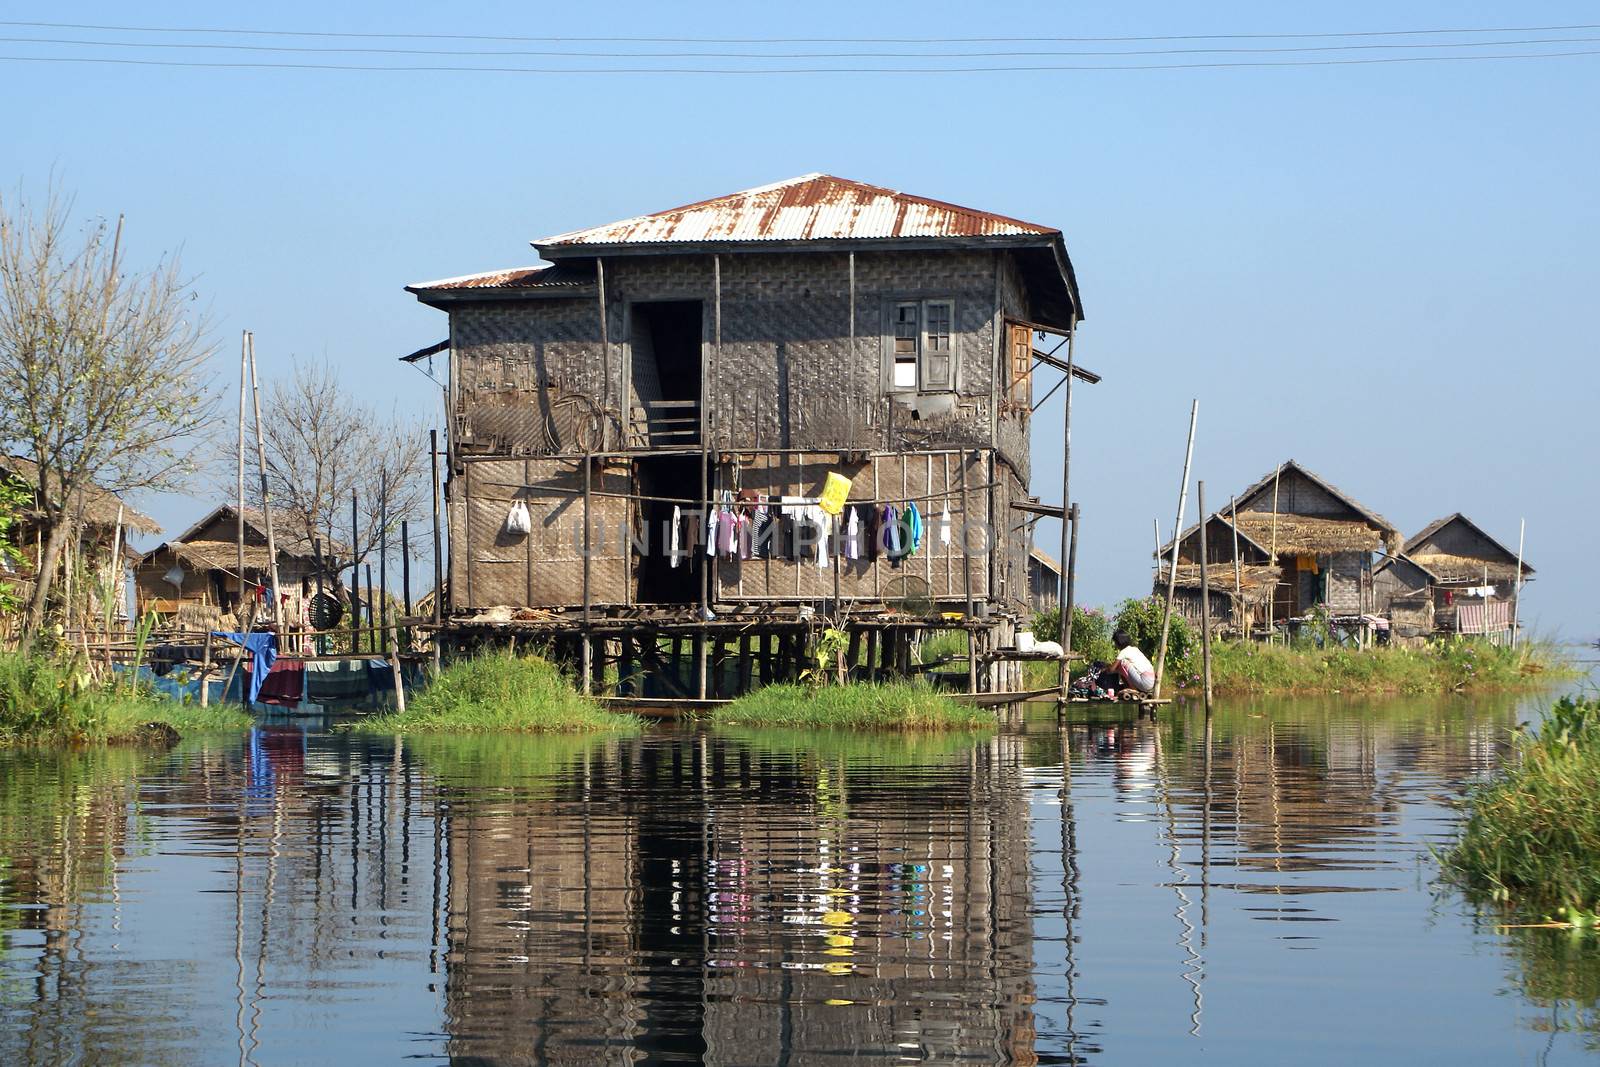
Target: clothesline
[703,504]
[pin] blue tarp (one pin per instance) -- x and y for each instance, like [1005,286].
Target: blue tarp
[263,649]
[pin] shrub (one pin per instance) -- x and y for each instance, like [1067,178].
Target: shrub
[1142,619]
[1531,841]
[498,692]
[892,706]
[1091,630]
[44,699]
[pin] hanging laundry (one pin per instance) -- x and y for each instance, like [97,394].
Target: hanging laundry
[913,528]
[673,535]
[727,535]
[889,531]
[762,532]
[711,530]
[852,533]
[944,525]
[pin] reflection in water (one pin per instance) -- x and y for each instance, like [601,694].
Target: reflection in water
[1112,891]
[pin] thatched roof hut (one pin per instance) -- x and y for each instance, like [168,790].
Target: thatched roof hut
[99,507]
[1455,549]
[1315,539]
[196,571]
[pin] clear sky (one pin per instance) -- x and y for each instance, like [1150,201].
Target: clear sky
[1385,271]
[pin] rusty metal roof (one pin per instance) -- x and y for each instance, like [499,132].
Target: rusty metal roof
[812,207]
[560,276]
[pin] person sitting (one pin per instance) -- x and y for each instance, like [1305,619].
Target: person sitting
[1132,670]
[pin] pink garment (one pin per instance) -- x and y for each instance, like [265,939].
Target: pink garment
[726,539]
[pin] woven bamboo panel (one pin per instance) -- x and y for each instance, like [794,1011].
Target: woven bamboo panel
[543,568]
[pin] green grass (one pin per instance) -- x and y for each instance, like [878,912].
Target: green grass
[1439,666]
[892,706]
[48,701]
[498,693]
[1531,842]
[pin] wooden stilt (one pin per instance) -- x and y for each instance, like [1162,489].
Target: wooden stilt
[700,664]
[872,655]
[972,660]
[764,650]
[745,663]
[205,673]
[853,653]
[1069,605]
[626,683]
[399,680]
[585,663]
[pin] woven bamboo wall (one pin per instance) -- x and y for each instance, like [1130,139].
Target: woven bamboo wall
[544,568]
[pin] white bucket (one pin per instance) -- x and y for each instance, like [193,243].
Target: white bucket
[1024,640]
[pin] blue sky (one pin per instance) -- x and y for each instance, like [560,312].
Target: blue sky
[1383,271]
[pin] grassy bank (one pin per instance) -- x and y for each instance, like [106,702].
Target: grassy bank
[44,701]
[1531,842]
[1439,666]
[893,706]
[498,693]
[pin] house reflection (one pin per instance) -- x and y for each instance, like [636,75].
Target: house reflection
[700,899]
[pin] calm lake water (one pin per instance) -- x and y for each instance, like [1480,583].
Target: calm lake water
[300,896]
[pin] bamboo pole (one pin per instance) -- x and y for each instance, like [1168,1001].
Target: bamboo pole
[1205,594]
[1272,553]
[372,619]
[1066,501]
[238,534]
[205,673]
[1516,590]
[355,578]
[1177,532]
[586,651]
[405,566]
[438,553]
[266,500]
[1238,574]
[1068,607]
[399,682]
[383,548]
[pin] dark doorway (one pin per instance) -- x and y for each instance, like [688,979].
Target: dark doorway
[676,477]
[667,340]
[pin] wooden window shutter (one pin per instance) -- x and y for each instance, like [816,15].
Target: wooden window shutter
[1022,366]
[938,346]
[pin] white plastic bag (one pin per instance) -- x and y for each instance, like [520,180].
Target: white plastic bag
[518,522]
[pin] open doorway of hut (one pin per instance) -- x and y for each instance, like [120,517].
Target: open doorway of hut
[660,582]
[667,338]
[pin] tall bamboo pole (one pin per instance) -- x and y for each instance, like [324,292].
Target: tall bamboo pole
[1177,532]
[261,465]
[1516,590]
[1205,594]
[244,342]
[383,548]
[438,548]
[1066,501]
[355,578]
[1238,573]
[405,567]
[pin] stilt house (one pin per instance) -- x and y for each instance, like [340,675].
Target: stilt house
[193,579]
[1301,539]
[100,549]
[1468,578]
[733,354]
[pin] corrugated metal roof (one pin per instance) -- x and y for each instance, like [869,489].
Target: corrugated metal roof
[813,207]
[556,277]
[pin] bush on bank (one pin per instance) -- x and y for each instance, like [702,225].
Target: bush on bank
[891,706]
[498,692]
[51,701]
[1438,666]
[1531,842]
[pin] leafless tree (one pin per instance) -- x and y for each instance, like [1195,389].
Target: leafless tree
[322,443]
[102,371]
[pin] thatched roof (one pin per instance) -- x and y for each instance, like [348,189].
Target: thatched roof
[1257,581]
[1305,535]
[1453,566]
[99,506]
[216,555]
[1449,568]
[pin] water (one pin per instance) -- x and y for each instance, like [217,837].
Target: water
[308,897]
